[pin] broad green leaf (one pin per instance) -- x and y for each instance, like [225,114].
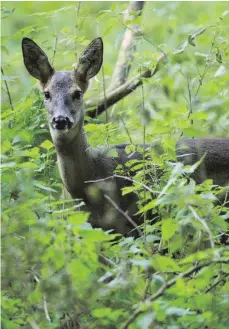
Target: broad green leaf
[151,205]
[145,321]
[163,263]
[168,229]
[46,144]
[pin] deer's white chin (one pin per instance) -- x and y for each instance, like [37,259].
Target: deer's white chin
[66,133]
[58,133]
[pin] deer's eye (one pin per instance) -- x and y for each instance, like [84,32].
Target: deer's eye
[47,95]
[77,94]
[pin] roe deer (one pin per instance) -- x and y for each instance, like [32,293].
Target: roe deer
[78,163]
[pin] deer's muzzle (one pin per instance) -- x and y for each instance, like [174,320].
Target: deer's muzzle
[61,123]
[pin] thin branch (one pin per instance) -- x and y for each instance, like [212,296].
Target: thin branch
[124,214]
[77,25]
[206,67]
[46,310]
[127,131]
[217,282]
[55,49]
[191,97]
[144,154]
[166,286]
[122,91]
[139,34]
[8,92]
[127,47]
[104,95]
[124,178]
[189,100]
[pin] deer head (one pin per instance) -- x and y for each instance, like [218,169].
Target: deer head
[63,90]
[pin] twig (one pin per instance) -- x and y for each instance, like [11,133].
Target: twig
[127,131]
[147,286]
[144,158]
[123,213]
[127,47]
[216,283]
[76,27]
[204,225]
[141,35]
[189,100]
[206,67]
[8,91]
[122,91]
[55,49]
[125,178]
[46,309]
[166,286]
[104,95]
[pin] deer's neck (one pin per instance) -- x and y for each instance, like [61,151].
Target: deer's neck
[74,162]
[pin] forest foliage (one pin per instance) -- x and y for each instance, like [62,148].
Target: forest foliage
[58,272]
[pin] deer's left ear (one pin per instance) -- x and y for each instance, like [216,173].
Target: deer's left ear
[90,61]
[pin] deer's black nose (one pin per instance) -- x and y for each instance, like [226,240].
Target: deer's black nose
[61,122]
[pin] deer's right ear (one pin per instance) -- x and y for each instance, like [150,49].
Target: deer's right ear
[36,61]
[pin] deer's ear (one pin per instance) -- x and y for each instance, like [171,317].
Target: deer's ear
[36,61]
[90,61]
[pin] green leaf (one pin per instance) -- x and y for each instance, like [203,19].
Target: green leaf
[9,78]
[79,271]
[221,71]
[77,219]
[145,321]
[46,144]
[151,205]
[28,165]
[180,49]
[4,49]
[163,263]
[177,311]
[169,227]
[43,187]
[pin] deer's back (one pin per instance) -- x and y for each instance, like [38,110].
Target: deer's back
[215,153]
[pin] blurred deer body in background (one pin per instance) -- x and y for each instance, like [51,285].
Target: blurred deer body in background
[78,163]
